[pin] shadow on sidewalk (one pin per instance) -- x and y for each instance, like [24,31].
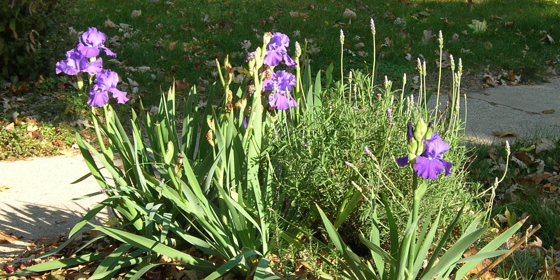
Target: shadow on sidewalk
[35,221]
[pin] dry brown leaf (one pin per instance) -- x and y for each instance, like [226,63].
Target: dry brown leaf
[550,187]
[503,134]
[537,178]
[544,145]
[109,24]
[537,244]
[480,266]
[7,238]
[546,39]
[136,13]
[172,45]
[348,13]
[523,156]
[489,81]
[32,127]
[181,85]
[427,36]
[47,241]
[9,126]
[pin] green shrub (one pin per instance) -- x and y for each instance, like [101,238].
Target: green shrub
[23,24]
[313,159]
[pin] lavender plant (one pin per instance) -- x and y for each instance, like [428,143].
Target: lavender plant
[411,253]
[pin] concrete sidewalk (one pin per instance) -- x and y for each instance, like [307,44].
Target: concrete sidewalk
[526,111]
[38,199]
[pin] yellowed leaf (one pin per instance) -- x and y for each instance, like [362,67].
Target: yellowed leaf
[551,111]
[480,266]
[503,134]
[9,127]
[32,127]
[550,187]
[172,45]
[4,188]
[7,238]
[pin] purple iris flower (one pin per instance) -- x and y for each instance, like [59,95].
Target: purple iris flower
[91,42]
[430,164]
[281,84]
[276,51]
[280,101]
[283,80]
[77,63]
[106,81]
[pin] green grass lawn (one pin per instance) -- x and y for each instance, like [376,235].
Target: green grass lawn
[181,39]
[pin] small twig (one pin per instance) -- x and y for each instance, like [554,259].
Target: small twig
[503,257]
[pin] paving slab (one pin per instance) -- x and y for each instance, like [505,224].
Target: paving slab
[528,112]
[37,198]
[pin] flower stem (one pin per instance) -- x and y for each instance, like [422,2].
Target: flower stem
[415,207]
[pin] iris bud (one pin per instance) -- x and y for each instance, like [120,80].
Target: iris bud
[409,132]
[420,148]
[420,130]
[412,146]
[429,131]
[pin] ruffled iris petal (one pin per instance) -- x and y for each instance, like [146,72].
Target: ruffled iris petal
[447,166]
[272,58]
[120,96]
[428,168]
[88,51]
[93,37]
[76,63]
[108,51]
[435,147]
[94,67]
[289,61]
[279,101]
[98,97]
[64,67]
[278,41]
[284,81]
[106,81]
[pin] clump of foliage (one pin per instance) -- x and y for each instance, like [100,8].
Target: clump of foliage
[208,198]
[24,25]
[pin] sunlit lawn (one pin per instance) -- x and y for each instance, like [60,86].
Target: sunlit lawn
[181,39]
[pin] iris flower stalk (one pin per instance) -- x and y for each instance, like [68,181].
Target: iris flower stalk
[425,151]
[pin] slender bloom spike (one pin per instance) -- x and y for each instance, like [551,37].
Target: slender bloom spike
[341,37]
[372,26]
[452,63]
[368,152]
